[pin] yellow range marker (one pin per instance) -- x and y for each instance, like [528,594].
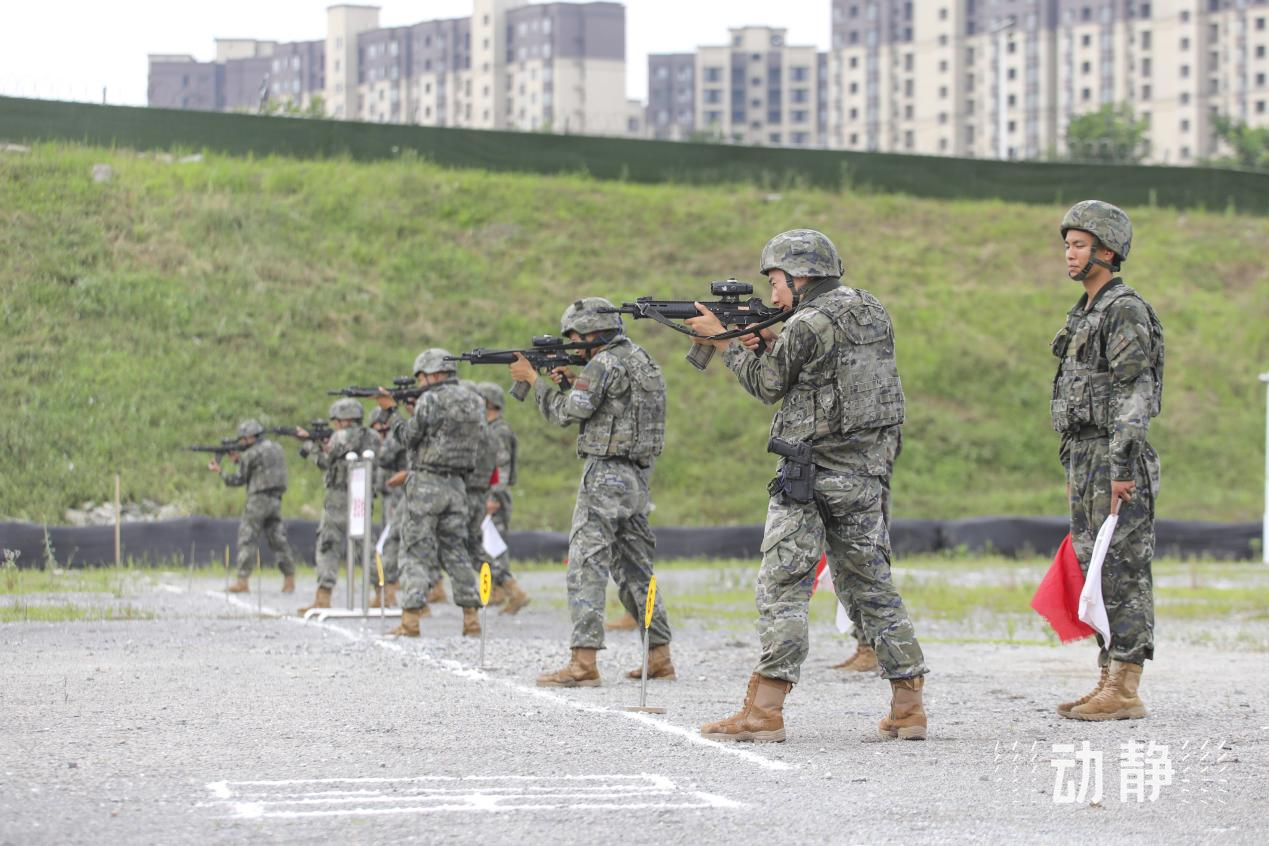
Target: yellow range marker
[486,583]
[652,597]
[379,567]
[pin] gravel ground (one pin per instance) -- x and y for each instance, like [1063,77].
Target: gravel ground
[211,723]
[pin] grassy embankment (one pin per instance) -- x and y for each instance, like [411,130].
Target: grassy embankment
[157,309]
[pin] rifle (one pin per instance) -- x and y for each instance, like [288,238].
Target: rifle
[227,445]
[547,353]
[729,308]
[317,431]
[405,390]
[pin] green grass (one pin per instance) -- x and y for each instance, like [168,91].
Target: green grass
[156,310]
[70,612]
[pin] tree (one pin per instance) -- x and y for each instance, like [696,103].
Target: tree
[1110,134]
[1250,144]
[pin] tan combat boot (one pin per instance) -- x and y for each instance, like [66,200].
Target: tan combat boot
[863,661]
[497,595]
[409,624]
[239,586]
[659,665]
[391,588]
[906,720]
[760,719]
[624,623]
[288,584]
[322,601]
[437,593]
[1118,699]
[581,671]
[516,597]
[471,622]
[1064,710]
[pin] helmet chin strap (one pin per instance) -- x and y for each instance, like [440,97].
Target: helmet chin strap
[1092,260]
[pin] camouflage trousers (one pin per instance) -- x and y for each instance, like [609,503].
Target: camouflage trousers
[393,512]
[846,517]
[434,537]
[476,498]
[611,535]
[1127,582]
[332,538]
[262,515]
[502,522]
[852,610]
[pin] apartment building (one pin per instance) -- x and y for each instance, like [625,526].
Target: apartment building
[756,89]
[671,111]
[1004,78]
[511,65]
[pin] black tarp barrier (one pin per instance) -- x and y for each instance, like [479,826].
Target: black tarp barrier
[204,540]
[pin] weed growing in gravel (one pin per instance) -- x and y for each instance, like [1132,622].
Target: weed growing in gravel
[70,612]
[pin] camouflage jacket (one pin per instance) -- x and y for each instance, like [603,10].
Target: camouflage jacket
[618,401]
[445,432]
[1110,374]
[833,371]
[507,445]
[262,468]
[393,457]
[356,439]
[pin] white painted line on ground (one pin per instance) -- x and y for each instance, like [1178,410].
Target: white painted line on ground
[171,588]
[288,798]
[457,669]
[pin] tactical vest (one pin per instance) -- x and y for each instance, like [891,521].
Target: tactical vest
[852,387]
[630,426]
[1081,388]
[459,417]
[268,467]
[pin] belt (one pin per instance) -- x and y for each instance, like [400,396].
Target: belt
[442,471]
[1088,433]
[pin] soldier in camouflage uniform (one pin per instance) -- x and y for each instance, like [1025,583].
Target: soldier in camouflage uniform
[262,468]
[1109,384]
[332,531]
[442,436]
[833,371]
[618,403]
[499,502]
[393,465]
[478,483]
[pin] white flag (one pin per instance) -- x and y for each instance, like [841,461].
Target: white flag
[493,542]
[383,538]
[1092,607]
[825,581]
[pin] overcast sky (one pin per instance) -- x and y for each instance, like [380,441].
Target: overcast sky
[69,50]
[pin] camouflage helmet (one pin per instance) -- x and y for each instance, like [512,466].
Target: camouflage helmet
[1109,224]
[492,392]
[250,428]
[381,417]
[469,385]
[584,316]
[346,409]
[434,361]
[801,252]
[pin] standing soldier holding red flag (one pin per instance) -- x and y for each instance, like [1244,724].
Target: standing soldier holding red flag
[1109,384]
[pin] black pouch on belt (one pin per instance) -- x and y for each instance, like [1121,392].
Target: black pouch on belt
[797,472]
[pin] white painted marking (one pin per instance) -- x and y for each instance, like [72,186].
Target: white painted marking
[171,588]
[289,798]
[455,668]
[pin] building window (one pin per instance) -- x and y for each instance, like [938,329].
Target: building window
[1185,71]
[774,137]
[1146,91]
[943,92]
[800,74]
[713,74]
[800,116]
[1185,126]
[909,140]
[1086,40]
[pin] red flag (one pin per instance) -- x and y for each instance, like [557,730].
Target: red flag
[819,572]
[1057,599]
[493,477]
